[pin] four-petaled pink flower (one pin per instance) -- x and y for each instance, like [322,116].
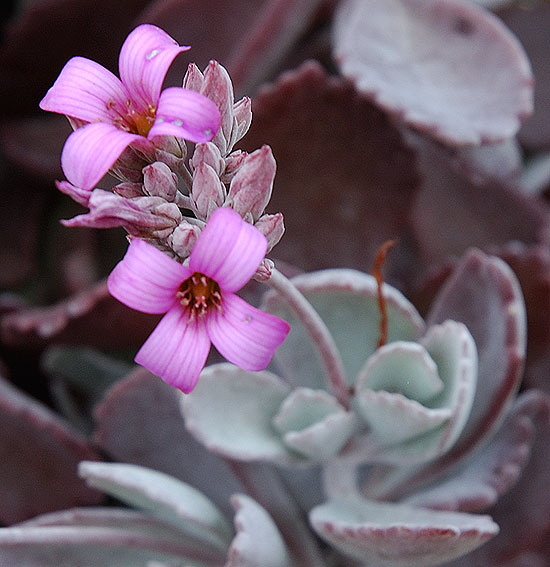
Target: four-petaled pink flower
[199,301]
[111,113]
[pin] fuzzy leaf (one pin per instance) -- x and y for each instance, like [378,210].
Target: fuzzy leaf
[492,469]
[163,496]
[436,65]
[231,413]
[143,403]
[441,376]
[314,424]
[399,536]
[258,541]
[38,471]
[347,302]
[484,294]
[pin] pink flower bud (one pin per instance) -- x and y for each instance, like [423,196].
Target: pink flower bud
[193,78]
[272,227]
[210,154]
[208,192]
[160,181]
[183,238]
[250,189]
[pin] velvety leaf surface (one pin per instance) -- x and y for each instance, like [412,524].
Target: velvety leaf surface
[399,536]
[347,302]
[448,68]
[313,423]
[230,412]
[140,422]
[250,38]
[484,294]
[112,521]
[258,541]
[40,454]
[347,173]
[92,317]
[418,426]
[493,469]
[530,24]
[163,496]
[455,211]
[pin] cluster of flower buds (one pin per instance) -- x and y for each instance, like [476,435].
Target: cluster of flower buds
[166,192]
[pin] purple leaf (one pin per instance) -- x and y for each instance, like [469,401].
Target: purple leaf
[458,208]
[367,192]
[492,469]
[140,422]
[530,24]
[92,317]
[397,535]
[484,294]
[448,68]
[38,471]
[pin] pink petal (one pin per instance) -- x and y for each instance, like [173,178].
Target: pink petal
[245,335]
[185,114]
[146,279]
[90,151]
[144,60]
[85,90]
[229,250]
[176,350]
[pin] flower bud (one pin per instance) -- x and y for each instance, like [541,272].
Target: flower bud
[183,238]
[208,192]
[209,154]
[160,181]
[251,187]
[272,227]
[193,78]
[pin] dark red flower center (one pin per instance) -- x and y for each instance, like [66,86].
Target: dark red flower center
[198,294]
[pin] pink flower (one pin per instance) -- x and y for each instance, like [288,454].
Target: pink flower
[113,113]
[199,301]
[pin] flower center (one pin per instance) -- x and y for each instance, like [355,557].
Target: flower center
[141,122]
[198,294]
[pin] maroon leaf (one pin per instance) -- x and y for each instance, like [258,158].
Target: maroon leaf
[530,23]
[139,422]
[446,67]
[456,210]
[342,169]
[484,294]
[40,455]
[250,42]
[91,317]
[494,468]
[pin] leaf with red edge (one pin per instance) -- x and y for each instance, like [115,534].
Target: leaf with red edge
[92,317]
[342,168]
[40,455]
[446,67]
[396,535]
[258,541]
[484,294]
[139,421]
[494,468]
